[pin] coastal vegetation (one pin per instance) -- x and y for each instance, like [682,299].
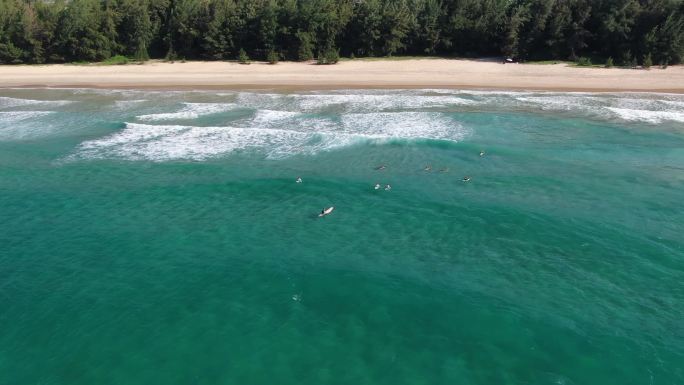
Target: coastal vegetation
[243,58]
[585,31]
[117,60]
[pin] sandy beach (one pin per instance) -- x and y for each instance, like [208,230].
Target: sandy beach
[413,73]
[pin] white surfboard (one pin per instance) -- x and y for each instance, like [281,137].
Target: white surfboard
[326,211]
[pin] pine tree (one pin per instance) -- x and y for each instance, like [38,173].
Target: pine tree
[426,31]
[511,47]
[647,62]
[305,50]
[80,36]
[136,29]
[87,30]
[396,22]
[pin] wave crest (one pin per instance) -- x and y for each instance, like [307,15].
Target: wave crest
[8,102]
[139,141]
[190,111]
[647,116]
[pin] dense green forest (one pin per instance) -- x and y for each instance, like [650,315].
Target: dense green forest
[627,31]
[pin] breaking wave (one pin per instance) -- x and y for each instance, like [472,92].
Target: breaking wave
[190,111]
[353,102]
[16,116]
[139,141]
[646,108]
[8,102]
[20,125]
[647,116]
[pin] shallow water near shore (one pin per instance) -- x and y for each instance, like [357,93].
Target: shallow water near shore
[160,237]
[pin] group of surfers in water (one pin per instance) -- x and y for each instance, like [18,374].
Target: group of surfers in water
[388,187]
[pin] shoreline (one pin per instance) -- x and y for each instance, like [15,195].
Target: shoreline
[333,87]
[351,74]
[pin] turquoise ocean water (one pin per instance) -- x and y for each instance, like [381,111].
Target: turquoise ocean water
[160,237]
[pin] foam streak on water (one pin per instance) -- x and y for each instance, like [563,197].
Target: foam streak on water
[190,111]
[9,102]
[15,116]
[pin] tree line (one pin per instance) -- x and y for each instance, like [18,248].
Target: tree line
[626,31]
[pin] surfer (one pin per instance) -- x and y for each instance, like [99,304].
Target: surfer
[381,167]
[427,168]
[377,186]
[299,180]
[327,211]
[466,179]
[482,153]
[388,187]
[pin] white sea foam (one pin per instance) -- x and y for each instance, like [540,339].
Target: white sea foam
[267,117]
[190,111]
[629,107]
[7,102]
[128,103]
[129,93]
[290,124]
[19,125]
[478,92]
[352,102]
[133,133]
[167,142]
[400,125]
[291,121]
[404,125]
[647,115]
[160,143]
[15,116]
[559,103]
[675,103]
[266,101]
[382,102]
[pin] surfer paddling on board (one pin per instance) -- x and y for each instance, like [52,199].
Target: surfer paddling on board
[327,211]
[299,180]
